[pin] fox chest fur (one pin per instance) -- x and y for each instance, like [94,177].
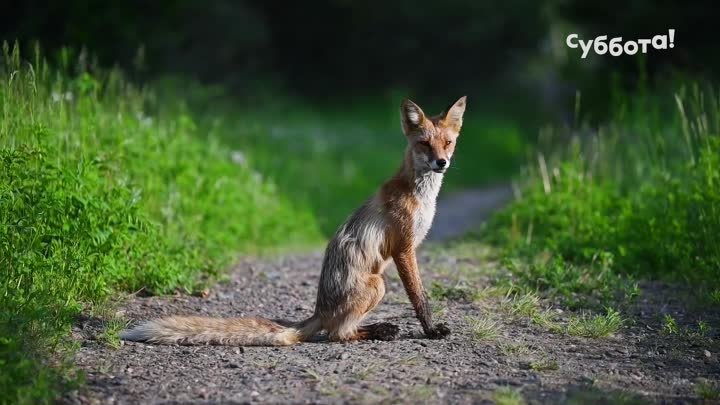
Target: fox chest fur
[426,191]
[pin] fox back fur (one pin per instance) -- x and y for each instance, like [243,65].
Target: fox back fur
[388,226]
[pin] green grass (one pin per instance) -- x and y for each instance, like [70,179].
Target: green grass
[637,197]
[597,326]
[508,396]
[96,196]
[669,325]
[528,305]
[111,332]
[544,364]
[515,349]
[483,327]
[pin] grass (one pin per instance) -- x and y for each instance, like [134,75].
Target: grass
[111,333]
[508,396]
[597,326]
[703,328]
[515,349]
[699,333]
[528,305]
[544,364]
[707,389]
[635,197]
[96,195]
[484,327]
[670,325]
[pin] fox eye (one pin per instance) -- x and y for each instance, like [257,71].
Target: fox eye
[447,143]
[425,143]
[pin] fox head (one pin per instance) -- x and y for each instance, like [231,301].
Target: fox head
[431,140]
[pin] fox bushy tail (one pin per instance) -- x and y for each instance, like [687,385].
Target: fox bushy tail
[195,330]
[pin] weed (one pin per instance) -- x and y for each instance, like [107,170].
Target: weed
[111,333]
[528,305]
[670,325]
[703,328]
[511,349]
[715,296]
[598,326]
[544,364]
[483,328]
[546,319]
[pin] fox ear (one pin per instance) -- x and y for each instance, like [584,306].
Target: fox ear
[411,116]
[453,116]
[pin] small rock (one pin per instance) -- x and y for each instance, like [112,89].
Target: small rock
[254,394]
[707,353]
[233,365]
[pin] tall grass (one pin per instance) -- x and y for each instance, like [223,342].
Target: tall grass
[639,195]
[97,195]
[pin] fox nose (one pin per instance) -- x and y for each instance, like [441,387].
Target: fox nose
[441,163]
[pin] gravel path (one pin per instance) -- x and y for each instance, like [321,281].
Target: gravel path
[639,365]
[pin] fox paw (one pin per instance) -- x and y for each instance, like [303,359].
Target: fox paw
[383,331]
[439,331]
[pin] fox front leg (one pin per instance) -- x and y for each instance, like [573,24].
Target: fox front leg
[408,270]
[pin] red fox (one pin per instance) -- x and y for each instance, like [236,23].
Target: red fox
[390,225]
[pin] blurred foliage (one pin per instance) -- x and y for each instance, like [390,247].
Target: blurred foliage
[313,46]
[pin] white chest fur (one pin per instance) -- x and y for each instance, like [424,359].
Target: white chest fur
[427,187]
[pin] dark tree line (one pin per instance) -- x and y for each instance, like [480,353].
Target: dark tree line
[331,46]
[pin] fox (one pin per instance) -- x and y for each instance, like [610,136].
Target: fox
[387,227]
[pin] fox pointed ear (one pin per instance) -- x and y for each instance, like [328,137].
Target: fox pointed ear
[453,116]
[411,116]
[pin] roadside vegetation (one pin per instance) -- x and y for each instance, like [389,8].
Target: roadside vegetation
[110,187]
[97,196]
[636,197]
[598,212]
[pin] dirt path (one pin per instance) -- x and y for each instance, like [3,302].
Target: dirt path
[461,212]
[638,365]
